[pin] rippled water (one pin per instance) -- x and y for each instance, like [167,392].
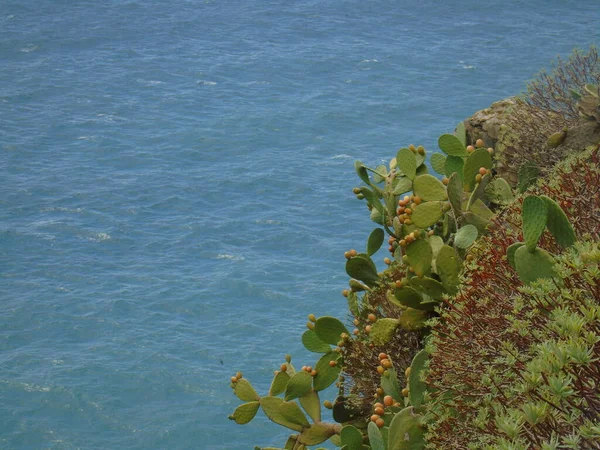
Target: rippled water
[175,193]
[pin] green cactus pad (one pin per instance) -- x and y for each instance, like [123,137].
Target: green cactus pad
[419,255]
[311,403]
[479,191]
[427,214]
[244,391]
[397,226]
[528,175]
[245,412]
[373,200]
[558,224]
[351,437]
[510,253]
[407,296]
[429,188]
[312,343]
[390,385]
[499,192]
[407,162]
[532,266]
[461,133]
[534,213]
[401,185]
[298,385]
[363,268]
[466,236]
[406,431]
[448,266]
[279,383]
[480,209]
[376,216]
[438,163]
[375,240]
[455,193]
[362,172]
[380,173]
[413,319]
[430,287]
[454,164]
[479,222]
[451,145]
[479,158]
[375,437]
[422,170]
[287,414]
[416,387]
[357,286]
[383,330]
[353,303]
[326,374]
[315,434]
[329,329]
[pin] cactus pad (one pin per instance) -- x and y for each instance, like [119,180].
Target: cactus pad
[427,214]
[408,297]
[429,188]
[375,437]
[510,253]
[461,133]
[534,213]
[311,404]
[383,330]
[499,192]
[328,329]
[451,145]
[454,164]
[312,343]
[315,434]
[298,385]
[401,185]
[351,437]
[326,374]
[474,219]
[352,303]
[406,431]
[455,193]
[448,266]
[419,255]
[416,387]
[244,391]
[479,158]
[438,163]
[407,162]
[466,236]
[287,414]
[279,383]
[362,172]
[245,412]
[362,268]
[532,266]
[558,224]
[413,319]
[479,208]
[375,240]
[430,287]
[373,200]
[389,384]
[380,173]
[528,175]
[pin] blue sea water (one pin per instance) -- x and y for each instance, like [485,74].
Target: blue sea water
[175,189]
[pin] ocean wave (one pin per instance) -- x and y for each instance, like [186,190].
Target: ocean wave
[230,257]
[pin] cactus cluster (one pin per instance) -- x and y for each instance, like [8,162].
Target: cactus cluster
[415,367]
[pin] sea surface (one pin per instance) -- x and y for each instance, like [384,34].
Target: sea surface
[175,189]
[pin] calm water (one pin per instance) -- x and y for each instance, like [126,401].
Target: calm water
[175,189]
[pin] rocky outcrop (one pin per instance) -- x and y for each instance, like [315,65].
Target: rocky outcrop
[518,133]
